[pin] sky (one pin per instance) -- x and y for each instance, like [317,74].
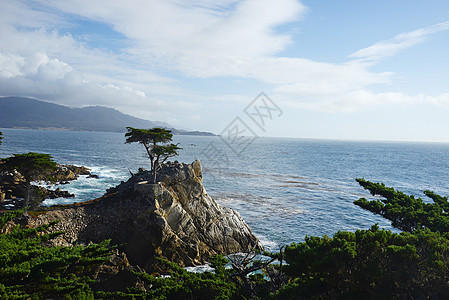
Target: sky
[359,70]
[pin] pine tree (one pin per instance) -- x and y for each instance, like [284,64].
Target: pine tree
[156,145]
[32,166]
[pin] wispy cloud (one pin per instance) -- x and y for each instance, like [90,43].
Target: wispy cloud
[167,43]
[398,43]
[203,39]
[193,38]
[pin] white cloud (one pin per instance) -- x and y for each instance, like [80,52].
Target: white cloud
[10,65]
[49,69]
[37,67]
[40,62]
[345,87]
[359,101]
[440,100]
[211,38]
[125,89]
[18,12]
[365,100]
[50,79]
[303,76]
[203,40]
[398,43]
[39,57]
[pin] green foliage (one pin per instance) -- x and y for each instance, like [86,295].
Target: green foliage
[165,152]
[148,136]
[368,264]
[376,264]
[31,270]
[406,212]
[33,166]
[154,140]
[8,216]
[181,284]
[218,262]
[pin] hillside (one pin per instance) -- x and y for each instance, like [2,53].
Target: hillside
[19,112]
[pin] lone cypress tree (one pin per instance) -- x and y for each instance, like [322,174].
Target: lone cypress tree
[1,137]
[155,142]
[32,166]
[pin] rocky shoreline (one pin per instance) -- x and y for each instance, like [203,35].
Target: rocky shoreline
[12,186]
[175,219]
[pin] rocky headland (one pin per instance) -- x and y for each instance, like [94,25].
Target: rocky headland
[12,186]
[175,219]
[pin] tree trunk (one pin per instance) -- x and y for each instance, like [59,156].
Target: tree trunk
[154,175]
[154,170]
[26,200]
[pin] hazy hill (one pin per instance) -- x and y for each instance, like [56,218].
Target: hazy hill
[19,112]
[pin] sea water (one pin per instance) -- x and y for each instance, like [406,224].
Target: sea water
[284,189]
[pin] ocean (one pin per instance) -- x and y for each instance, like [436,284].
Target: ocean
[283,188]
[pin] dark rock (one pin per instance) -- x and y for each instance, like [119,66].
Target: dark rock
[117,274]
[12,186]
[2,195]
[174,218]
[58,193]
[65,173]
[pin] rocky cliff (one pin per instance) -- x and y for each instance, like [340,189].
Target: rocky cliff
[174,218]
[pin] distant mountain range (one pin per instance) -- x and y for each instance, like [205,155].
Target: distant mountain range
[19,112]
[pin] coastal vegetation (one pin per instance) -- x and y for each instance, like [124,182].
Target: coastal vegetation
[375,263]
[369,264]
[406,212]
[29,269]
[20,172]
[366,264]
[33,167]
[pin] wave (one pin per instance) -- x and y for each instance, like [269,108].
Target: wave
[268,244]
[106,172]
[87,188]
[200,269]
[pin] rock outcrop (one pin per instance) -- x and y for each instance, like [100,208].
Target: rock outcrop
[12,186]
[174,218]
[65,173]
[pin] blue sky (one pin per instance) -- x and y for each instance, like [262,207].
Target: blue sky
[370,70]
